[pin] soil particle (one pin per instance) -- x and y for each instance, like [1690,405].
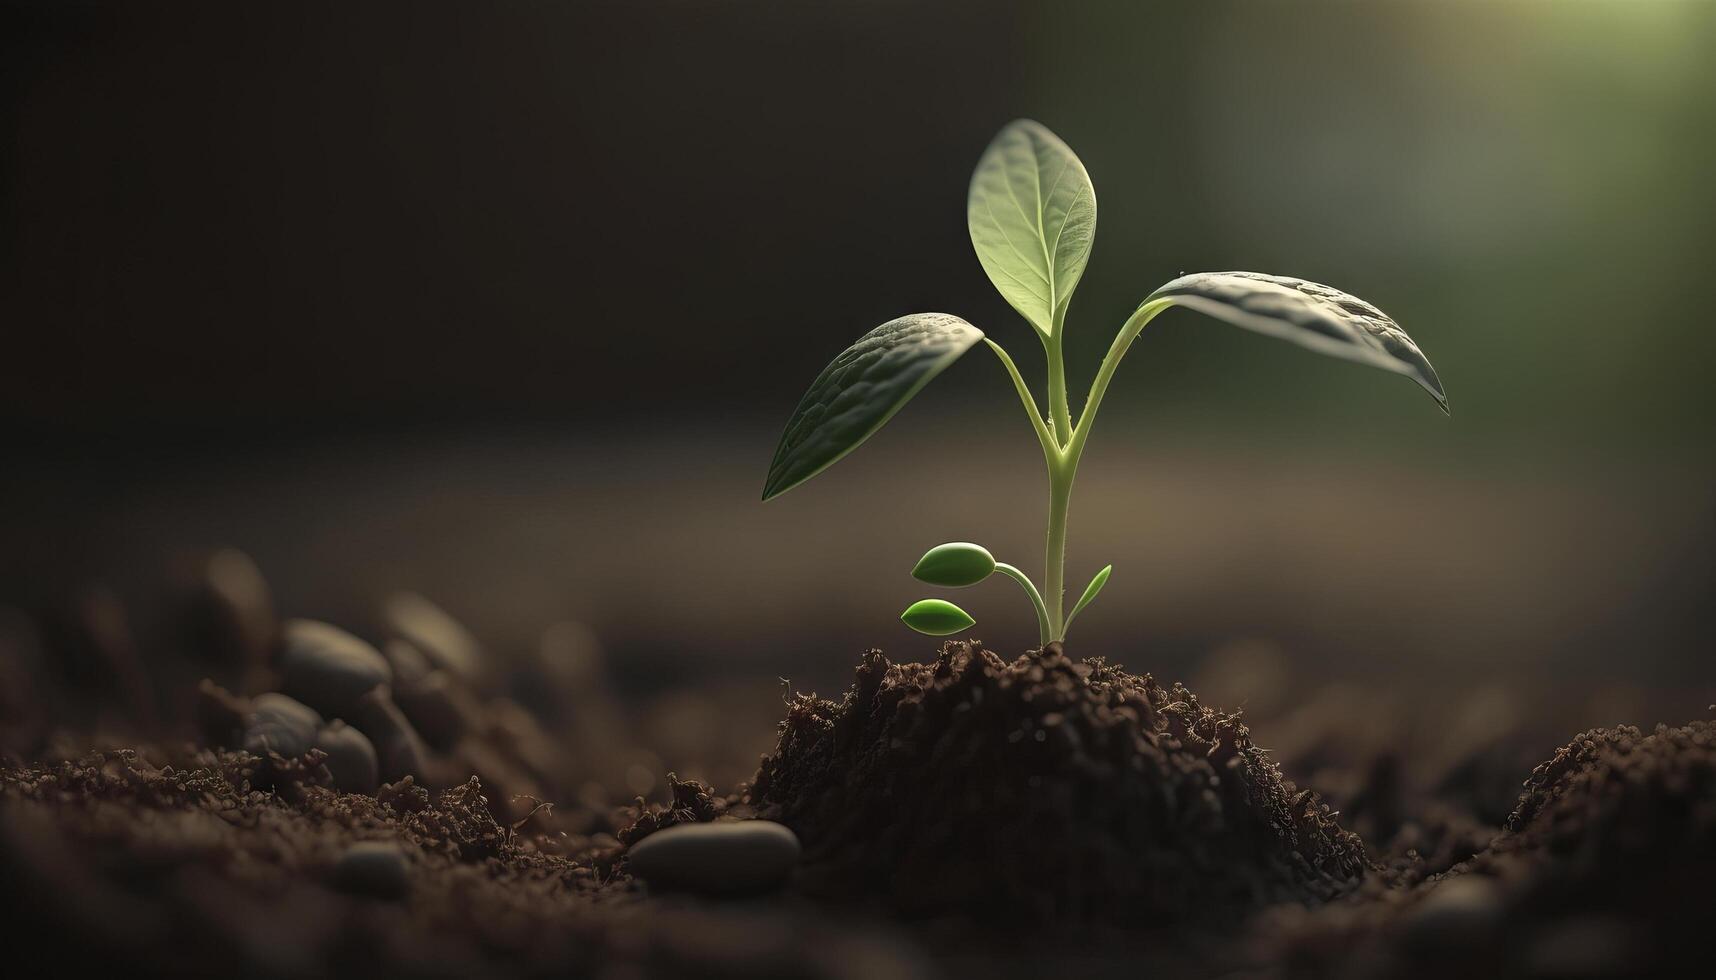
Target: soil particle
[1059,789]
[405,796]
[689,802]
[462,826]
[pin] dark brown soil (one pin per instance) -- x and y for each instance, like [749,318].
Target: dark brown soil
[967,816]
[1606,868]
[190,869]
[1048,788]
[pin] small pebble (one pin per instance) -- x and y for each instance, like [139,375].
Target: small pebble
[373,869]
[440,637]
[409,664]
[327,668]
[441,708]
[399,750]
[277,723]
[1588,946]
[1457,914]
[237,609]
[351,758]
[722,858]
[221,716]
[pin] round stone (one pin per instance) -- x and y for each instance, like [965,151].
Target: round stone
[1457,913]
[429,628]
[327,668]
[351,758]
[235,610]
[721,858]
[399,750]
[441,708]
[373,869]
[409,664]
[279,724]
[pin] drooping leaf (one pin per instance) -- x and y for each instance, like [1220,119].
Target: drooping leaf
[862,389]
[1309,314]
[955,565]
[1090,591]
[1032,215]
[936,617]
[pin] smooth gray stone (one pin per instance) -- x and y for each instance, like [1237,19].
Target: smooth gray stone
[441,708]
[1456,914]
[351,758]
[374,869]
[437,635]
[327,668]
[409,664]
[722,858]
[399,750]
[237,624]
[277,723]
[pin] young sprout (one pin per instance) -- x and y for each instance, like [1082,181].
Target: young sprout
[1032,216]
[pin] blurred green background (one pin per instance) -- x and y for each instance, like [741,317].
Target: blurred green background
[507,306]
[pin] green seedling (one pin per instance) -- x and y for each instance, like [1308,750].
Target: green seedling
[1032,215]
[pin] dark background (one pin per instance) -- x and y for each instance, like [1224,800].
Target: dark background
[506,304]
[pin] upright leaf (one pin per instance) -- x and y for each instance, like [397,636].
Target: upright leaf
[1090,593]
[1032,214]
[1309,314]
[862,389]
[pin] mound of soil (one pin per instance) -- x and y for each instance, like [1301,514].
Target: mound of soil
[1617,798]
[1604,869]
[1064,790]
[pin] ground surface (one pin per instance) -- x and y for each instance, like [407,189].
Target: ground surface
[971,815]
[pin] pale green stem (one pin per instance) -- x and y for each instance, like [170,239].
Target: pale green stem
[1044,436]
[1105,373]
[1043,629]
[1060,488]
[1063,468]
[1063,454]
[1059,409]
[1055,558]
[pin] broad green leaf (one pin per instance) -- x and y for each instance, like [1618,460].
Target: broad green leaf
[955,565]
[936,617]
[1090,591]
[1309,314]
[1032,214]
[862,389]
